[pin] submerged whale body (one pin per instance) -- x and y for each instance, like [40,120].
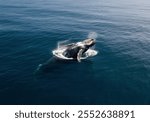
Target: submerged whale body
[76,51]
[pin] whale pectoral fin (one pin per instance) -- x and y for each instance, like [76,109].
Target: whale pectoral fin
[79,55]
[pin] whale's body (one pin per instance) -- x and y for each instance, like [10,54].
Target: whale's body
[76,51]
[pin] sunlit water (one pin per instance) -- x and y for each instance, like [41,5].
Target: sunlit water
[31,29]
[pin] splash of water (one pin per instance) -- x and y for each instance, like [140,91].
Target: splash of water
[61,43]
[93,35]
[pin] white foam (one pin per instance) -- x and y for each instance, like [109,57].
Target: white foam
[61,43]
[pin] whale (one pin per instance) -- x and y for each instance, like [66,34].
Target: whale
[76,51]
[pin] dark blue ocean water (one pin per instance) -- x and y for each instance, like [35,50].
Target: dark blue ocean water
[31,29]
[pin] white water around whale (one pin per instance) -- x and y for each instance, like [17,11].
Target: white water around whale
[61,43]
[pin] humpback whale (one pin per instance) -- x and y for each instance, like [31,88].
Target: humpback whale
[76,51]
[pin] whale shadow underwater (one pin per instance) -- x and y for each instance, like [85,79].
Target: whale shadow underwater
[55,64]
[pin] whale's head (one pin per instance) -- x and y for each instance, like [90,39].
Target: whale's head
[89,42]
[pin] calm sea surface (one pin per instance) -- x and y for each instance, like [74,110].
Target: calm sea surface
[31,29]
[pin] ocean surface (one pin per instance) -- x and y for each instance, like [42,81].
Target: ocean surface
[31,29]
